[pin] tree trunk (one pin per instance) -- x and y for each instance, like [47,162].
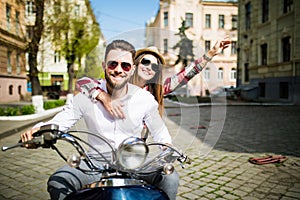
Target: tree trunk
[33,47]
[71,76]
[33,75]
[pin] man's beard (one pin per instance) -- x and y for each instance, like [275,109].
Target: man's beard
[114,85]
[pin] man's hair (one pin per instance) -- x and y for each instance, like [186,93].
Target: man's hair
[120,44]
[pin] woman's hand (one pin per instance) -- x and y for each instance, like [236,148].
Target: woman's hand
[219,47]
[114,107]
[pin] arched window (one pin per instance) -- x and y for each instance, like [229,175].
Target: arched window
[10,89]
[207,74]
[220,73]
[19,89]
[233,74]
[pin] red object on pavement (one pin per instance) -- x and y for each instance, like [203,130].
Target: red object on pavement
[198,127]
[268,159]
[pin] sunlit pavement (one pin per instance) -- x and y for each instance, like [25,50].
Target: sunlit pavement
[222,173]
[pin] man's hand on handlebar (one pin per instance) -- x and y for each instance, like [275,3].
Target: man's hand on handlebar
[28,135]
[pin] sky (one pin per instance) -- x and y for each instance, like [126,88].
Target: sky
[124,18]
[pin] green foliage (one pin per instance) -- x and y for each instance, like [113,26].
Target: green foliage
[93,67]
[16,111]
[11,111]
[28,109]
[53,104]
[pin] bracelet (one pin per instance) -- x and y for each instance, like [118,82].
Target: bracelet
[206,57]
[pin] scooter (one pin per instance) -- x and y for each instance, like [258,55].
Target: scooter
[133,158]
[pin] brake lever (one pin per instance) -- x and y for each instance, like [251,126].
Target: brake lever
[45,137]
[36,140]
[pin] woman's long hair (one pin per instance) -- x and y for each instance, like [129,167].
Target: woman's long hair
[154,85]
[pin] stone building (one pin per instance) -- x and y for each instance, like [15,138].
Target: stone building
[13,83]
[208,21]
[268,57]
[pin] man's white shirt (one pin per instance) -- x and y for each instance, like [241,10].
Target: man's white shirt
[139,107]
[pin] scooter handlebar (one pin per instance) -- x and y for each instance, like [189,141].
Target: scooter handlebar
[45,137]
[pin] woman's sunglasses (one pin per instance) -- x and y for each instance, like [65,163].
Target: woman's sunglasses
[147,62]
[113,64]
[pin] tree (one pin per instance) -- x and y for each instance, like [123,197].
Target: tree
[75,35]
[185,46]
[92,67]
[33,47]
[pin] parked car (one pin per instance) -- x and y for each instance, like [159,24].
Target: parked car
[224,91]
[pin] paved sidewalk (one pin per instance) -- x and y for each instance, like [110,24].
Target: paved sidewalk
[220,172]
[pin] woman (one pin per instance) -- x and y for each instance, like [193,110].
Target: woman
[148,75]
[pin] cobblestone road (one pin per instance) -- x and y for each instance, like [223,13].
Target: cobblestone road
[219,173]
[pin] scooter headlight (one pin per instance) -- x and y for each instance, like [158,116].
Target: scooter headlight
[132,153]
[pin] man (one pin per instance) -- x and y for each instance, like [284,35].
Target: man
[140,106]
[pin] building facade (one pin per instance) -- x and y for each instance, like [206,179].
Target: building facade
[268,57]
[208,21]
[52,64]
[13,82]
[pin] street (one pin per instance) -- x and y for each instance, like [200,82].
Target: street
[220,167]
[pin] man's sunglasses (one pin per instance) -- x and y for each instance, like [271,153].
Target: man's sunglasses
[147,62]
[113,64]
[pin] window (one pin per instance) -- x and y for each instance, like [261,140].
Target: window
[10,89]
[207,21]
[264,53]
[221,21]
[166,19]
[246,74]
[207,73]
[207,45]
[8,17]
[18,67]
[233,48]
[56,56]
[165,45]
[287,6]
[189,19]
[284,90]
[57,79]
[248,16]
[233,74]
[9,67]
[30,9]
[17,23]
[220,73]
[262,89]
[265,10]
[286,49]
[20,90]
[234,22]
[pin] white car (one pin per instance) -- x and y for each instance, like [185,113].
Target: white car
[221,91]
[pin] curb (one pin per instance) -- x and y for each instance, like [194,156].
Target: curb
[226,103]
[32,116]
